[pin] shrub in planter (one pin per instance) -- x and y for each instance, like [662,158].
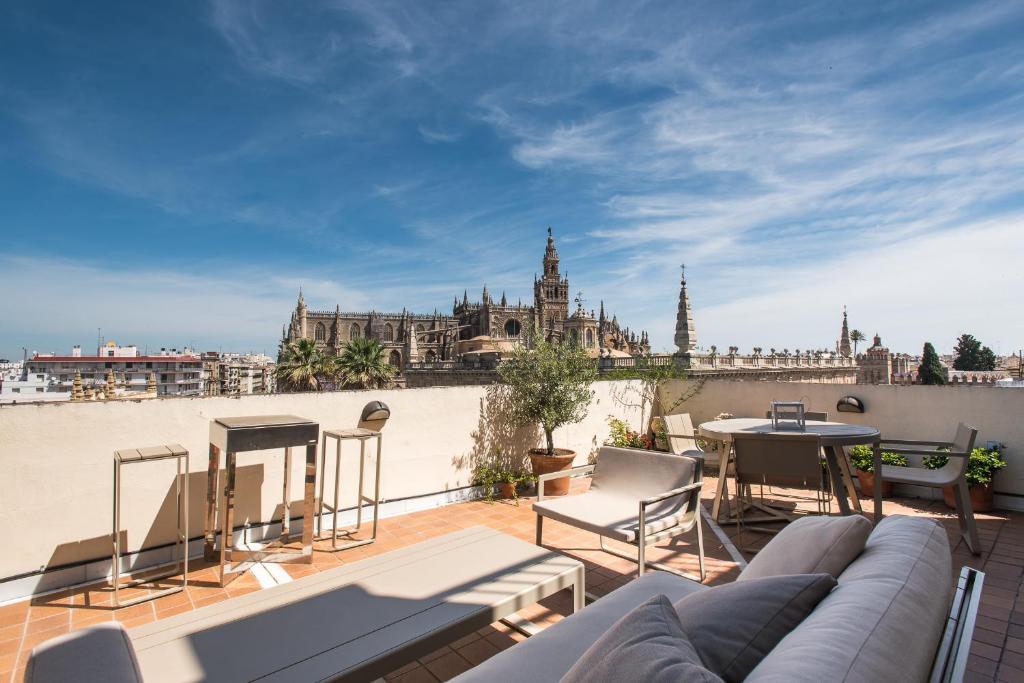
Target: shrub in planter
[622,436]
[549,385]
[981,468]
[500,480]
[863,458]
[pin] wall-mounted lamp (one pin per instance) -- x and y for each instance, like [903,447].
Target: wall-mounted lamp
[375,415]
[850,404]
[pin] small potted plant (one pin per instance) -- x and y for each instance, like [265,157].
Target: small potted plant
[981,467]
[549,385]
[622,436]
[501,480]
[863,458]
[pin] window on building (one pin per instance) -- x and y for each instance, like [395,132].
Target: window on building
[574,337]
[395,359]
[419,328]
[590,339]
[39,390]
[389,332]
[512,328]
[320,332]
[431,356]
[354,332]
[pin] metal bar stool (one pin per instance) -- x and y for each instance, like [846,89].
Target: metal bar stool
[375,414]
[130,456]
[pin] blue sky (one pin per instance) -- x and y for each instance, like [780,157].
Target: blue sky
[172,172]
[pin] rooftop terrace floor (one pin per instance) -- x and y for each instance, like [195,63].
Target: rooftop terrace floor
[997,652]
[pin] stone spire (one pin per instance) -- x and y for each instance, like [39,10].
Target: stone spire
[151,384]
[412,347]
[486,298]
[111,384]
[686,334]
[76,387]
[550,257]
[504,301]
[844,338]
[465,297]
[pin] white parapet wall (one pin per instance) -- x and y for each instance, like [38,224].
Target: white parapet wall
[56,483]
[899,412]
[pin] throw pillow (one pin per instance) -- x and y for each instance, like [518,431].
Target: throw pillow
[733,627]
[812,545]
[647,644]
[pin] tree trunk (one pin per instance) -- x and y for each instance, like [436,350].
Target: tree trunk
[549,435]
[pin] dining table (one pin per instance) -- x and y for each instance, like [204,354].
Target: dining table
[834,436]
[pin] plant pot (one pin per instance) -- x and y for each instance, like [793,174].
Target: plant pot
[867,485]
[505,490]
[981,497]
[542,463]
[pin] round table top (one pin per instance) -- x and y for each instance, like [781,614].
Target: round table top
[831,433]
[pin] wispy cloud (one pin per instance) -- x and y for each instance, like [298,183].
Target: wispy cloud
[434,135]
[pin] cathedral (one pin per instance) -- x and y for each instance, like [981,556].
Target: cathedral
[413,338]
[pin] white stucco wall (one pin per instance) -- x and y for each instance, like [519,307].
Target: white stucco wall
[899,412]
[56,460]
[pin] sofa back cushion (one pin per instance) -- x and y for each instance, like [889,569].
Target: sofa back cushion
[883,621]
[647,644]
[734,626]
[811,545]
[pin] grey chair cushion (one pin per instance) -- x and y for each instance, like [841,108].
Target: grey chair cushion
[611,516]
[648,644]
[733,627]
[884,620]
[812,545]
[547,656]
[97,654]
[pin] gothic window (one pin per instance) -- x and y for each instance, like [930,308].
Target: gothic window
[389,332]
[574,338]
[419,328]
[512,328]
[590,338]
[431,356]
[320,332]
[354,332]
[395,359]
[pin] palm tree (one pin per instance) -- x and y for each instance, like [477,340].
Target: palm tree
[303,367]
[362,365]
[856,336]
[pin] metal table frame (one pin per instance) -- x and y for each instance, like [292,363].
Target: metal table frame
[132,456]
[362,435]
[239,434]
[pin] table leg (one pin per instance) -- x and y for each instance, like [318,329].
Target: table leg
[320,496]
[361,496]
[851,490]
[579,590]
[210,523]
[723,473]
[877,458]
[836,474]
[286,510]
[310,494]
[337,492]
[227,529]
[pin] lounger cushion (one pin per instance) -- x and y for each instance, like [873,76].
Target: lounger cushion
[546,657]
[735,626]
[812,545]
[97,654]
[610,515]
[648,644]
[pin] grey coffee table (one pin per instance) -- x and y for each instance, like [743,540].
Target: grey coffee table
[361,620]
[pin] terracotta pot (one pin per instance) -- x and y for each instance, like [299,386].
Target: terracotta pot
[505,489]
[867,485]
[981,497]
[543,463]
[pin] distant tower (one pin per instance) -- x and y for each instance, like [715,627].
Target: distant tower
[844,338]
[551,292]
[686,333]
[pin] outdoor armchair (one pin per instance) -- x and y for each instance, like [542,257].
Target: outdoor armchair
[682,438]
[636,497]
[953,473]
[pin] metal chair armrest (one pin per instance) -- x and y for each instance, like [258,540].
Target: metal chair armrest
[670,494]
[917,442]
[582,469]
[914,451]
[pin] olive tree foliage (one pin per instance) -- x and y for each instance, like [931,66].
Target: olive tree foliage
[549,383]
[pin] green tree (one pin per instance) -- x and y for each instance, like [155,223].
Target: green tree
[303,368]
[362,365]
[856,336]
[549,384]
[930,369]
[971,355]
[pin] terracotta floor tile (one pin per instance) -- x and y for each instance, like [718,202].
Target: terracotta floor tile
[448,666]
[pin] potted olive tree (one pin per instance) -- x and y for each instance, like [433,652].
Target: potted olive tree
[981,467]
[863,458]
[549,385]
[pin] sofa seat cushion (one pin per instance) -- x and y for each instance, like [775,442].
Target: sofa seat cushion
[885,618]
[811,545]
[735,626]
[96,654]
[547,656]
[611,515]
[648,644]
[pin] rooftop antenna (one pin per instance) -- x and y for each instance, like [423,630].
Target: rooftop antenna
[99,341]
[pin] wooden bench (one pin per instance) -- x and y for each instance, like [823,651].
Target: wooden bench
[355,622]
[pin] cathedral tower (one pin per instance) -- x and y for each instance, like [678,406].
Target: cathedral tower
[551,292]
[686,333]
[844,338]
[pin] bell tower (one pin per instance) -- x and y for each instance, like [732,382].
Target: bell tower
[551,291]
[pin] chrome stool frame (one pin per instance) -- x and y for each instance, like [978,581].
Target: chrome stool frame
[372,420]
[131,456]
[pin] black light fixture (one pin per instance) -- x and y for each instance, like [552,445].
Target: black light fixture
[375,415]
[850,404]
